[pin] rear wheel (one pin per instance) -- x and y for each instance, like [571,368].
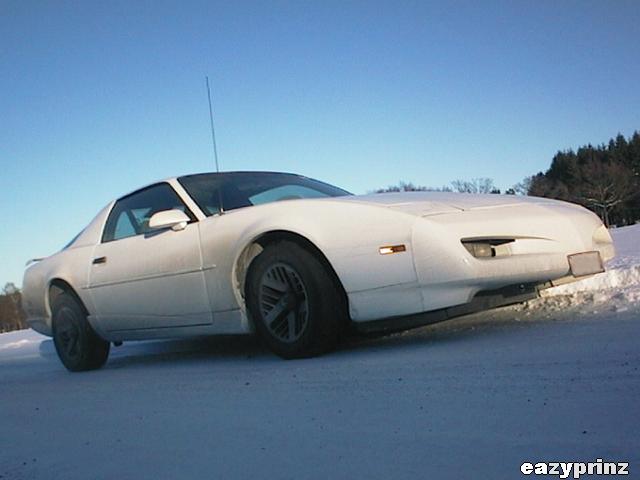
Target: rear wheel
[296,306]
[78,346]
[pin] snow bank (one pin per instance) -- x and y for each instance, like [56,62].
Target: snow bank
[16,344]
[20,343]
[617,289]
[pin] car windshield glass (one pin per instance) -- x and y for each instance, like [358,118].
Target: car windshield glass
[215,192]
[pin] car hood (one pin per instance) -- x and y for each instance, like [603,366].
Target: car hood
[436,203]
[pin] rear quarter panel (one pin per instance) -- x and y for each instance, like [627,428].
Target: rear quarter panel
[70,266]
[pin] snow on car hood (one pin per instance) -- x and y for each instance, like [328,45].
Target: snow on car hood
[434,203]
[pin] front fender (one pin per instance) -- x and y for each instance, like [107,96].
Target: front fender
[349,236]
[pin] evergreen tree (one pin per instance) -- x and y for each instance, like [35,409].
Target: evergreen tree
[605,179]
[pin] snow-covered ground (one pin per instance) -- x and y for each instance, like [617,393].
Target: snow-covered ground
[618,289]
[553,380]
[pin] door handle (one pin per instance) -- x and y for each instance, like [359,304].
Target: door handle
[99,260]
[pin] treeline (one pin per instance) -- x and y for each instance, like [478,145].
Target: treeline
[476,185]
[605,179]
[12,316]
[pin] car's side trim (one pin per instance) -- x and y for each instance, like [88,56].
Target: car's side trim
[148,277]
[162,327]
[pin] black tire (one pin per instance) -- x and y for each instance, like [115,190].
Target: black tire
[296,307]
[77,344]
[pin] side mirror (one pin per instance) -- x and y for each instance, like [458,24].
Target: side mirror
[173,219]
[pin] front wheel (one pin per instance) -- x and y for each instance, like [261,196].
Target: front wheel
[295,304]
[78,346]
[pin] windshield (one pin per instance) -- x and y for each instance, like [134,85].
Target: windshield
[217,192]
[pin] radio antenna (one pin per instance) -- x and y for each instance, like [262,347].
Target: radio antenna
[213,131]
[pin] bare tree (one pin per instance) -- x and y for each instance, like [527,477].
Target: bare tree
[522,188]
[411,187]
[476,185]
[12,316]
[606,185]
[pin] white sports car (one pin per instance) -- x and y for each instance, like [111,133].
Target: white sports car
[224,254]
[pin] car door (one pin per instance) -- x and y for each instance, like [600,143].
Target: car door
[147,279]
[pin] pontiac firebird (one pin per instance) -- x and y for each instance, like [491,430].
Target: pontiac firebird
[297,261]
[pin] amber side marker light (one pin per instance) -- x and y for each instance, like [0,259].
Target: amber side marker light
[392,249]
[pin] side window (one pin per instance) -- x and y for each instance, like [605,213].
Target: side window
[124,227]
[130,215]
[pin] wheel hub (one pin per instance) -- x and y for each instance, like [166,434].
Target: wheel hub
[283,302]
[68,332]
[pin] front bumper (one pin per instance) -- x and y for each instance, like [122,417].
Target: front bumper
[448,275]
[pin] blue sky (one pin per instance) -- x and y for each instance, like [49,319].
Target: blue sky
[99,98]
